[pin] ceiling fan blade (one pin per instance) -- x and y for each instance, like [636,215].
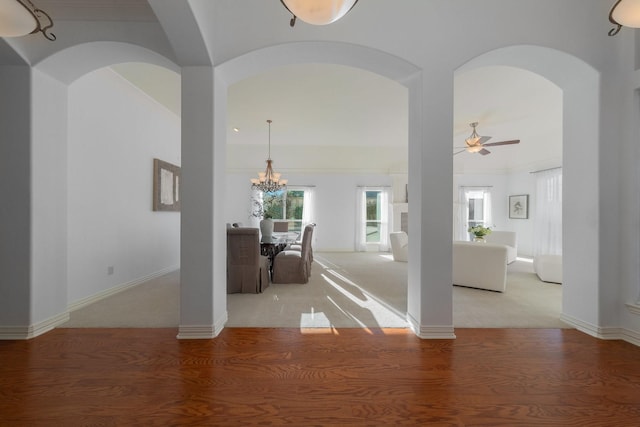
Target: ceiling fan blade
[483,139]
[493,144]
[484,152]
[458,152]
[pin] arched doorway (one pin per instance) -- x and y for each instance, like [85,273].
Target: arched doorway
[580,86]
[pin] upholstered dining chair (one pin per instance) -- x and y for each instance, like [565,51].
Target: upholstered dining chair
[292,266]
[280,226]
[247,270]
[297,246]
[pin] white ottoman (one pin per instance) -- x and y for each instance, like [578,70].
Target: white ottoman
[548,268]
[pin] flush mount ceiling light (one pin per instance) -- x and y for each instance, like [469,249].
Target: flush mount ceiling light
[21,17]
[268,181]
[318,12]
[624,13]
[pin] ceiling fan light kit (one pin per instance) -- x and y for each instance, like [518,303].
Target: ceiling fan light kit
[624,13]
[476,143]
[318,12]
[22,17]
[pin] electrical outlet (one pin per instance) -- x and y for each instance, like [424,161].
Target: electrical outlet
[110,270]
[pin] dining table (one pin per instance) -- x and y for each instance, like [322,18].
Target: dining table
[270,246]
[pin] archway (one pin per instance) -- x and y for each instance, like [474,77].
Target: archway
[580,85]
[57,72]
[368,59]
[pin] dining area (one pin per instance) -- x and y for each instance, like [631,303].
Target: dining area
[255,260]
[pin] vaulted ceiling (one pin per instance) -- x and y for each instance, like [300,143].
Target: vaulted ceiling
[317,106]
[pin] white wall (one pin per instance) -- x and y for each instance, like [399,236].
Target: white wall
[521,183]
[115,131]
[334,202]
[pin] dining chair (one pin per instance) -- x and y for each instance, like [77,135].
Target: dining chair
[247,269]
[292,266]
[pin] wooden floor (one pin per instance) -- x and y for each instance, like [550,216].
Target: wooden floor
[388,377]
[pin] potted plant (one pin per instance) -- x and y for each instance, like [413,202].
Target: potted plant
[479,231]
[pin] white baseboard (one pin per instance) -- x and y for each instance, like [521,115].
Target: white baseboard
[431,332]
[39,328]
[119,288]
[605,333]
[32,331]
[202,332]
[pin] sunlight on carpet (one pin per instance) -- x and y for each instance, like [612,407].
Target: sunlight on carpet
[346,290]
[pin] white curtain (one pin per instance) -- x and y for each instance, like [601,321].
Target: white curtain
[462,216]
[361,214]
[385,207]
[308,209]
[487,204]
[461,220]
[547,221]
[308,212]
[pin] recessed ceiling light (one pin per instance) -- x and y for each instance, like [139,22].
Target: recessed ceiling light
[236,130]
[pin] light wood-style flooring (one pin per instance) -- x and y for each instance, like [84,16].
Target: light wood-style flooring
[319,377]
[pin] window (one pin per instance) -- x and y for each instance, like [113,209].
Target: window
[372,218]
[474,209]
[286,205]
[475,206]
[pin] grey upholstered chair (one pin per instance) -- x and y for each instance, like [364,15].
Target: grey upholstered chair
[247,270]
[280,226]
[297,246]
[292,266]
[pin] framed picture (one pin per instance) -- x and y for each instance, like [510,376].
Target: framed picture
[166,186]
[519,206]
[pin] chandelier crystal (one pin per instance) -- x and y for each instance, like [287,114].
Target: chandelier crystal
[268,181]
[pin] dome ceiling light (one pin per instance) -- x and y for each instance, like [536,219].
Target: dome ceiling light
[624,13]
[318,12]
[21,17]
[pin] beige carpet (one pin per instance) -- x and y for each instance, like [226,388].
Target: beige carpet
[345,290]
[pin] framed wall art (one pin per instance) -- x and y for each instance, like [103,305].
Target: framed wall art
[166,186]
[519,206]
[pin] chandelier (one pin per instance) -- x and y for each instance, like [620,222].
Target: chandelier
[624,13]
[21,17]
[318,12]
[268,181]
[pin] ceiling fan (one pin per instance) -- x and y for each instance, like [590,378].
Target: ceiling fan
[476,143]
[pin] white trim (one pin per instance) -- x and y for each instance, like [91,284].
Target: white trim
[119,288]
[634,308]
[430,332]
[630,336]
[32,331]
[201,332]
[606,333]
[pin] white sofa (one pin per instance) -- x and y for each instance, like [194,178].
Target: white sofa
[548,268]
[399,246]
[507,238]
[480,265]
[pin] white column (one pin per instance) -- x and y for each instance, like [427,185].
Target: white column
[15,229]
[203,275]
[33,151]
[430,303]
